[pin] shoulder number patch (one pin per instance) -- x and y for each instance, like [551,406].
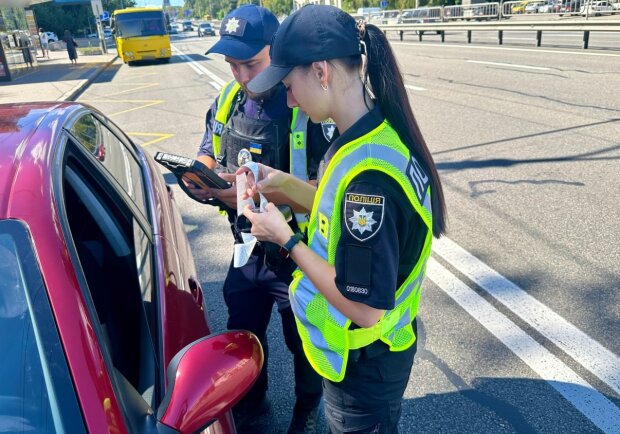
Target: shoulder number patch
[363,214]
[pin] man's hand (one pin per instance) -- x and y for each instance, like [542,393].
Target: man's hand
[199,192]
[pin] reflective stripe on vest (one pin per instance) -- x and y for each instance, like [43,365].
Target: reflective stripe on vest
[323,329]
[297,142]
[299,156]
[224,107]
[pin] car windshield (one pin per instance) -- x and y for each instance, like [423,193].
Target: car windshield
[130,25]
[36,393]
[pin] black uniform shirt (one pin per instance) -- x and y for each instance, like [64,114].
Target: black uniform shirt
[381,236]
[318,135]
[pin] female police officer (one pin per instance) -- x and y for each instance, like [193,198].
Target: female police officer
[377,206]
[242,126]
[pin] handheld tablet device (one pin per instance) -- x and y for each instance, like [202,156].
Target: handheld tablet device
[193,170]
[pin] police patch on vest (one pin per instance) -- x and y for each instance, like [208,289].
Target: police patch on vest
[328,127]
[218,127]
[243,157]
[363,214]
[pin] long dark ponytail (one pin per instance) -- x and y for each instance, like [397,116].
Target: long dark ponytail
[389,90]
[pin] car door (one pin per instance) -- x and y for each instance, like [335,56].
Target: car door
[129,259]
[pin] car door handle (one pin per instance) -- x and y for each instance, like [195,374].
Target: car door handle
[170,192]
[196,291]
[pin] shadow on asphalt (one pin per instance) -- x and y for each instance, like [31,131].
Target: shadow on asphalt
[49,73]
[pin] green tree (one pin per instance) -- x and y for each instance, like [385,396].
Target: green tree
[78,19]
[279,7]
[112,5]
[57,19]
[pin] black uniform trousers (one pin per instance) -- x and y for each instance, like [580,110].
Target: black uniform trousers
[369,398]
[249,293]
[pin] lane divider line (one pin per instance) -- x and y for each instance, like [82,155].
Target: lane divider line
[510,65]
[200,70]
[434,46]
[582,348]
[411,87]
[585,398]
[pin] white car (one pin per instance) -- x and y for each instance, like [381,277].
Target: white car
[597,8]
[51,37]
[532,8]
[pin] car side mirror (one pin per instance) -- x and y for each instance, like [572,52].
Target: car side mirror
[207,378]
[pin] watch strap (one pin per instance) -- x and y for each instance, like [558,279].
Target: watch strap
[285,250]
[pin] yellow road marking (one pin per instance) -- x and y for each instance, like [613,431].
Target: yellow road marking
[160,137]
[139,86]
[148,103]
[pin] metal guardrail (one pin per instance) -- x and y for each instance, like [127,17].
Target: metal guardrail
[502,26]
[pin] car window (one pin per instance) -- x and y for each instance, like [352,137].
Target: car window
[116,257]
[99,141]
[36,392]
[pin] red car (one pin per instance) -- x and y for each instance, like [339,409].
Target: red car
[102,323]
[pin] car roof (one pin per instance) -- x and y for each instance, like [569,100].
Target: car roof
[26,134]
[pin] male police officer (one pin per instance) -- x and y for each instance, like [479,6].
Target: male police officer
[241,127]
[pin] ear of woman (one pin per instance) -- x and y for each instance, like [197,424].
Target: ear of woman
[322,73]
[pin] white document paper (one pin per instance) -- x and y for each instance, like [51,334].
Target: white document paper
[243,250]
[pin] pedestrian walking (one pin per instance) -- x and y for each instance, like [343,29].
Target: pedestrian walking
[44,40]
[71,46]
[376,208]
[243,126]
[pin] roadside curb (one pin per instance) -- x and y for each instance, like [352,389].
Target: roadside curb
[79,88]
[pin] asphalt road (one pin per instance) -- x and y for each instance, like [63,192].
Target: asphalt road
[520,312]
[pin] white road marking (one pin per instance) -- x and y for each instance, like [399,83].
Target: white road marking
[511,65]
[582,348]
[408,86]
[592,404]
[434,46]
[201,70]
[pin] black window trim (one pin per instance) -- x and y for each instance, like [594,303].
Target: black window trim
[125,396]
[138,214]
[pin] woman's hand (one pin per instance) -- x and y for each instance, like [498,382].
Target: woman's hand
[270,180]
[269,225]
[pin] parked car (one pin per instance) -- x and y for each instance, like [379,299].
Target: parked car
[419,15]
[548,7]
[532,7]
[571,8]
[482,12]
[52,37]
[597,8]
[384,17]
[102,322]
[205,29]
[519,8]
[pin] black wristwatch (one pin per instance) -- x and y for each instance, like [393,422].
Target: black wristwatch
[285,250]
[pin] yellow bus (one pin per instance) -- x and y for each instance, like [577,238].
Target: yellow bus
[141,34]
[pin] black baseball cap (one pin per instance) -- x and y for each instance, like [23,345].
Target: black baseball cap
[245,31]
[310,34]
